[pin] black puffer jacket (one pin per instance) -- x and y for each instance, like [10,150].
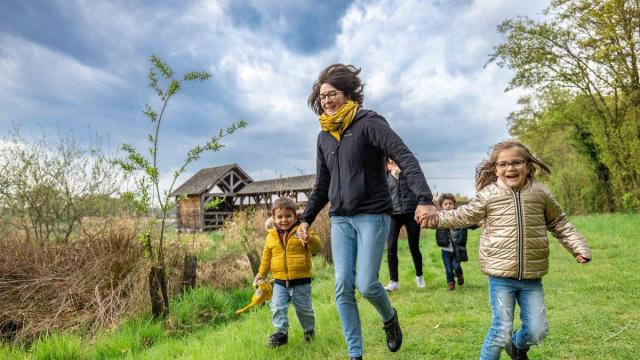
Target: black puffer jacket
[403,199]
[351,173]
[443,236]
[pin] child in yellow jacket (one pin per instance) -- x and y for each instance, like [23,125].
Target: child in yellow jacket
[289,260]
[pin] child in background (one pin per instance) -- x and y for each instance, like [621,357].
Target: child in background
[448,240]
[289,260]
[516,211]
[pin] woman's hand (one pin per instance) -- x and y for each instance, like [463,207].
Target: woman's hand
[426,216]
[303,232]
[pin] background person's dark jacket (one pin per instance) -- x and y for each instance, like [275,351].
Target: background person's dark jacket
[351,173]
[443,237]
[403,199]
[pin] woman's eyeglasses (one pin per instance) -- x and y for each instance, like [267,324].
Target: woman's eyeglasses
[331,95]
[516,164]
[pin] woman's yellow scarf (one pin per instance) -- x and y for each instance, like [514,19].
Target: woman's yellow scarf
[336,124]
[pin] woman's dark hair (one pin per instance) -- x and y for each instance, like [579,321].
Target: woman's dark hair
[342,77]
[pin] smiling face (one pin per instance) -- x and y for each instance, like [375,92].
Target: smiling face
[514,174]
[331,99]
[284,218]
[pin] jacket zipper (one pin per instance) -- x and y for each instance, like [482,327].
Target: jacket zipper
[400,194]
[519,225]
[339,181]
[284,249]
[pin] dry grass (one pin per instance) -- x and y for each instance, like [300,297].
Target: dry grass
[226,272]
[85,284]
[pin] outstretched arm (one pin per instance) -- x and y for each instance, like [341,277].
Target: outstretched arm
[565,232]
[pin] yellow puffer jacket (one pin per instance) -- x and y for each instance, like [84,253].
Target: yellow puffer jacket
[514,240]
[292,262]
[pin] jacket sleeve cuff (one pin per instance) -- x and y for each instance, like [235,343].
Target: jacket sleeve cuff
[423,201]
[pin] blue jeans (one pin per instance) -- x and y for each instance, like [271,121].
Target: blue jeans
[300,296]
[357,246]
[451,265]
[503,293]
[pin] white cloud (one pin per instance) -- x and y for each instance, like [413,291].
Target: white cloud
[422,62]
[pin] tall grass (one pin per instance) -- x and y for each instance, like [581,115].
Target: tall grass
[592,309]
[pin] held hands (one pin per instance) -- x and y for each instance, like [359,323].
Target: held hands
[426,216]
[303,233]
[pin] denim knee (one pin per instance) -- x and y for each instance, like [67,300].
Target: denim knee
[368,288]
[535,335]
[344,288]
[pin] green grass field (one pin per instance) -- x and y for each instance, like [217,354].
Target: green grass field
[593,312]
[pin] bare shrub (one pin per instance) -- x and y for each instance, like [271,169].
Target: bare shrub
[226,272]
[245,233]
[85,284]
[322,226]
[48,184]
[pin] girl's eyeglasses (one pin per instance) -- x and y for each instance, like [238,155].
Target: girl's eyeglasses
[516,164]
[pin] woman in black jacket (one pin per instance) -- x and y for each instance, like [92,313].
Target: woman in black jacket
[351,152]
[404,207]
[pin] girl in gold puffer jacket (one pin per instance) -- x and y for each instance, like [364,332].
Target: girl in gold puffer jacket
[516,211]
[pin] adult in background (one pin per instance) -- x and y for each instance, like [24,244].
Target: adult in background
[351,152]
[404,206]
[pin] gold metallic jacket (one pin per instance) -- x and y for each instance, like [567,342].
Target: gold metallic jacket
[514,240]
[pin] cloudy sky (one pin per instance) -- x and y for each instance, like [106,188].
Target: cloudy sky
[81,66]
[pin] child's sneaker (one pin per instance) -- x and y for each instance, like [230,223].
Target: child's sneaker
[309,335]
[516,353]
[420,281]
[393,286]
[451,286]
[460,279]
[278,339]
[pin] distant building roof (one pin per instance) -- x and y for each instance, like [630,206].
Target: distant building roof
[294,183]
[206,178]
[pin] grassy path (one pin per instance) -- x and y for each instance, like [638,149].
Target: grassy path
[593,311]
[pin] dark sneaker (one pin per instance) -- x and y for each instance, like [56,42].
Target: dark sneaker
[460,279]
[393,332]
[356,358]
[309,335]
[451,286]
[278,339]
[515,353]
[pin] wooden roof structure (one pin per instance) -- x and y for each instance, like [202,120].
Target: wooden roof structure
[206,179]
[294,183]
[262,192]
[236,188]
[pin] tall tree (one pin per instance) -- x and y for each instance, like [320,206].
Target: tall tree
[590,48]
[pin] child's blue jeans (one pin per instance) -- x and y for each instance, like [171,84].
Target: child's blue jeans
[451,265]
[300,296]
[357,246]
[504,293]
